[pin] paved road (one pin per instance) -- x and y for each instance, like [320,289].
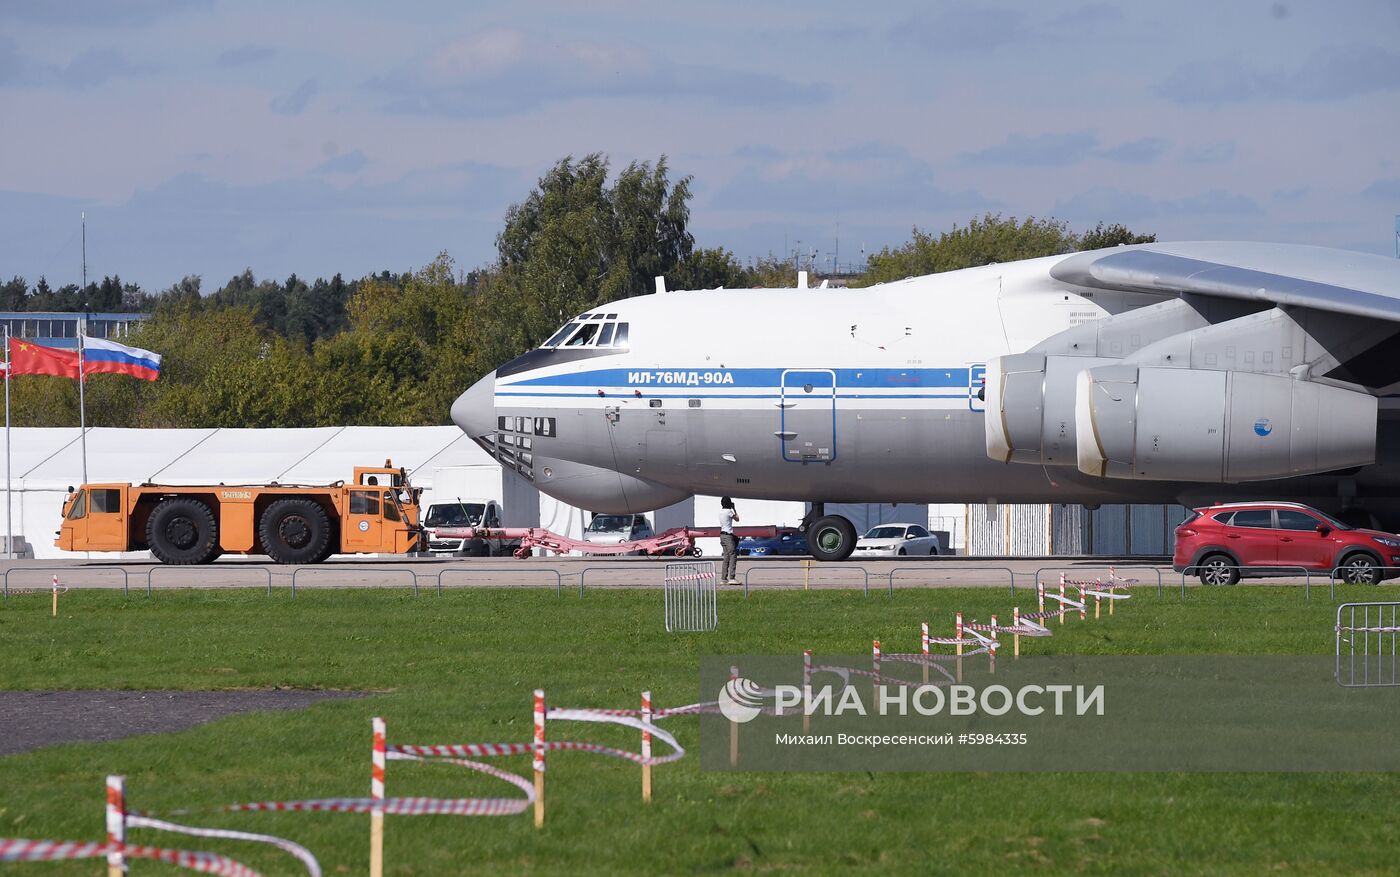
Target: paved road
[569,572]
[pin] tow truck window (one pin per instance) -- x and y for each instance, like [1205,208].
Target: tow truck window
[106,501]
[79,508]
[364,502]
[391,511]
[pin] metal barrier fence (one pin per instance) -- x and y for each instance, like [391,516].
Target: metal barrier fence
[1274,572]
[690,602]
[1376,626]
[150,573]
[518,570]
[1351,575]
[1010,575]
[865,574]
[583,576]
[23,570]
[309,570]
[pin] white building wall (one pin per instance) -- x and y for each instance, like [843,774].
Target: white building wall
[440,459]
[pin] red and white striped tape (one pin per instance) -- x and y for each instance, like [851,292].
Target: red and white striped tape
[313,867]
[19,850]
[392,806]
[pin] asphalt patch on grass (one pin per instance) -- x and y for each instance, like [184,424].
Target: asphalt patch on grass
[31,719]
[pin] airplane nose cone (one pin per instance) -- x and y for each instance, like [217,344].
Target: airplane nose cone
[475,410]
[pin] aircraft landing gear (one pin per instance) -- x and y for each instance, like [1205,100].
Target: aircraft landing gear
[829,537]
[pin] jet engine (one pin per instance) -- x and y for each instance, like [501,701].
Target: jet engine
[1186,424]
[1030,407]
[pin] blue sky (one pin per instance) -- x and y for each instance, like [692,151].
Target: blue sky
[206,136]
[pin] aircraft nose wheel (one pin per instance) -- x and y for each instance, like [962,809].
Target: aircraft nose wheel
[831,537]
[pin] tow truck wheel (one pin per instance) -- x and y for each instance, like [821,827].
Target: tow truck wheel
[182,531]
[696,552]
[831,537]
[295,531]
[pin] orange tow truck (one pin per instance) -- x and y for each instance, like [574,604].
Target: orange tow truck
[375,514]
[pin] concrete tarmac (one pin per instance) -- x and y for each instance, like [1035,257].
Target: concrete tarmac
[573,573]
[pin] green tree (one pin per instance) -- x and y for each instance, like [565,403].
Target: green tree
[1102,235]
[710,268]
[989,240]
[576,242]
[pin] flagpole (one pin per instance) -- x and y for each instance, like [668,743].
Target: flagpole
[82,405]
[9,504]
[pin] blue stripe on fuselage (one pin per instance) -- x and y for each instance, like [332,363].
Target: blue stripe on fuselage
[749,378]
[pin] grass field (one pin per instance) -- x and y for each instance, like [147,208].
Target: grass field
[461,667]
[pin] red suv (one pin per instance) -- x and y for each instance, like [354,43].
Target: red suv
[1221,543]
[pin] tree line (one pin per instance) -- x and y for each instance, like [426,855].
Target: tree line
[395,349]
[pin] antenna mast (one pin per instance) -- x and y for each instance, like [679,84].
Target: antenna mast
[84,216]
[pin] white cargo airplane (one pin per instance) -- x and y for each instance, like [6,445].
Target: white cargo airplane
[1185,372]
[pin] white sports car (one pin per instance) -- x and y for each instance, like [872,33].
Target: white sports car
[896,540]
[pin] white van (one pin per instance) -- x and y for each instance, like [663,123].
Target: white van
[465,513]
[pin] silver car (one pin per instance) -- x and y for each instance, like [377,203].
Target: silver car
[897,540]
[612,529]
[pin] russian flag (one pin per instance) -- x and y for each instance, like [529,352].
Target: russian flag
[108,357]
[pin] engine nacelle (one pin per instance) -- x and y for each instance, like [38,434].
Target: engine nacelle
[1176,424]
[1030,407]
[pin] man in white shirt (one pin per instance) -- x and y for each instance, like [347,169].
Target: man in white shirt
[727,518]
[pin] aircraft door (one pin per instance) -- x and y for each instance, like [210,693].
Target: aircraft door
[807,426]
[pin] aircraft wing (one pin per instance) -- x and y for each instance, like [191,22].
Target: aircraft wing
[1337,281]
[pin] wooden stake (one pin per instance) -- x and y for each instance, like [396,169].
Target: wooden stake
[923,645]
[1062,598]
[116,825]
[55,596]
[1098,601]
[806,571]
[995,641]
[806,689]
[1016,637]
[646,747]
[539,758]
[376,792]
[958,636]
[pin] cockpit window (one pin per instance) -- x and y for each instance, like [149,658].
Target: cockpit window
[561,334]
[584,336]
[578,333]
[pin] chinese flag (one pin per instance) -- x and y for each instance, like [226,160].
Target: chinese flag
[28,358]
